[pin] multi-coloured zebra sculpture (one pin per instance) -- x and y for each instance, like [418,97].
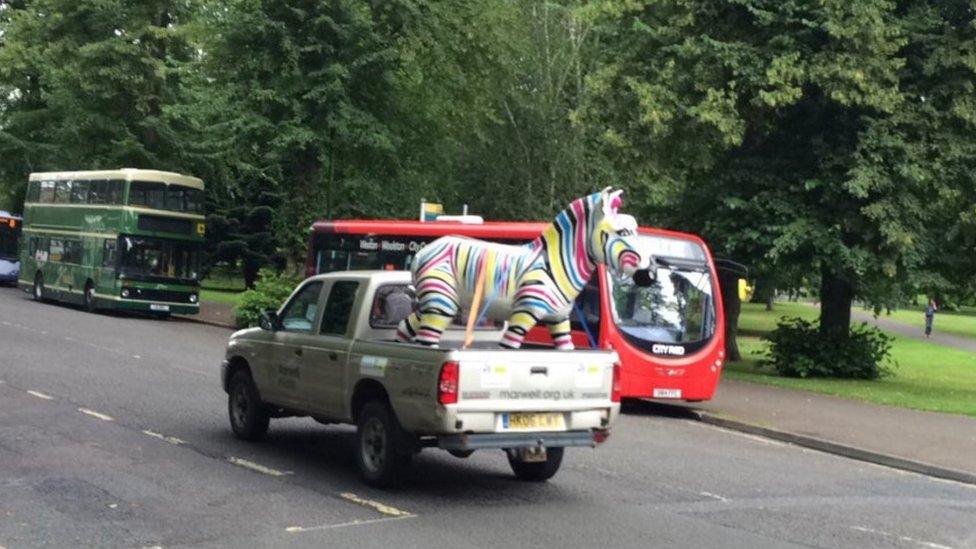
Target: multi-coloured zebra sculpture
[527,284]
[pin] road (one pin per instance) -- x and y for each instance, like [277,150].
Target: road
[113,433]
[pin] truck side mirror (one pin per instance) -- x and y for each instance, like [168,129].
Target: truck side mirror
[268,320]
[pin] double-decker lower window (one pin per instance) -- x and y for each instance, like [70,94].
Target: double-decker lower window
[159,258]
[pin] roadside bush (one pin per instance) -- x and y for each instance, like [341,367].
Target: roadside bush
[270,291]
[798,349]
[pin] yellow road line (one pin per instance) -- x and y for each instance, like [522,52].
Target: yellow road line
[95,414]
[171,440]
[257,467]
[39,394]
[375,505]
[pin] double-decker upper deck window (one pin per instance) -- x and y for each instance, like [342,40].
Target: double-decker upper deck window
[46,194]
[62,192]
[175,198]
[79,192]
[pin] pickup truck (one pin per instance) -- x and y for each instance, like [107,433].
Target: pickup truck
[329,353]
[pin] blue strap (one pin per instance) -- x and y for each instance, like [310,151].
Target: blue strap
[586,325]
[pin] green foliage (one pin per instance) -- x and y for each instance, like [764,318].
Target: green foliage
[798,348]
[89,85]
[269,292]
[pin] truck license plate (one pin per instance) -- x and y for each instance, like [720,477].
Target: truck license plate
[533,422]
[667,393]
[158,307]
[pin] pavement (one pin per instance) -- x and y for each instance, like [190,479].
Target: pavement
[113,433]
[935,444]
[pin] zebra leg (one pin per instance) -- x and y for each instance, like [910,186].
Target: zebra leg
[519,324]
[560,332]
[407,329]
[432,325]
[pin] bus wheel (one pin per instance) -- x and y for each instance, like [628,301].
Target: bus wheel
[39,287]
[90,297]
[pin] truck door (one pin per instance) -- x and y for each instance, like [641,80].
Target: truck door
[324,364]
[296,323]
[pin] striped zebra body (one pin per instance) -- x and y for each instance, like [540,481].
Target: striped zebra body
[525,285]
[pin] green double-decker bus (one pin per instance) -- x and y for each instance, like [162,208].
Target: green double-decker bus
[120,239]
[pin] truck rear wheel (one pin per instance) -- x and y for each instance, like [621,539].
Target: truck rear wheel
[380,450]
[248,417]
[538,471]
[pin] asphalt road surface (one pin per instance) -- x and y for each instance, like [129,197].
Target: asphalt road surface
[113,433]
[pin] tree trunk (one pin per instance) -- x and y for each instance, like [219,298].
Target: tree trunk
[729,283]
[836,296]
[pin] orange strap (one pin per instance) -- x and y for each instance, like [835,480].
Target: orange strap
[479,291]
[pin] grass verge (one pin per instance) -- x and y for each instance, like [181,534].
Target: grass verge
[927,376]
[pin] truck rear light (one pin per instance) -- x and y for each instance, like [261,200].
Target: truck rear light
[447,383]
[615,388]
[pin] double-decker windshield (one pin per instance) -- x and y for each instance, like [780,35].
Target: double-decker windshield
[143,257]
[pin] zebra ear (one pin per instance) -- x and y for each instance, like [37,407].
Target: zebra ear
[612,202]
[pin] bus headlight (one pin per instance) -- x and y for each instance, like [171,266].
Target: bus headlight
[125,292]
[193,298]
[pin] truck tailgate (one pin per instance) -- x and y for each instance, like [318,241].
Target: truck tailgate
[534,380]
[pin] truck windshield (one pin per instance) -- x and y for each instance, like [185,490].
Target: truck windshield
[677,308]
[158,258]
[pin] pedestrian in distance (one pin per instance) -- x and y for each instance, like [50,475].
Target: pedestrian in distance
[930,310]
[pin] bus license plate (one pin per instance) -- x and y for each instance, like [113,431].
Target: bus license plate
[533,422]
[158,307]
[667,393]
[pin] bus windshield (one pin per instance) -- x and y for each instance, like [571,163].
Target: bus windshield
[8,242]
[158,258]
[677,308]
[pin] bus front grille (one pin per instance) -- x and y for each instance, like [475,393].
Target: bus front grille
[170,296]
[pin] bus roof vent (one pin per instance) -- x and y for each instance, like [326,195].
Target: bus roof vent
[471,219]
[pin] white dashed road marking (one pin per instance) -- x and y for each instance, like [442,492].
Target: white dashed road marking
[299,529]
[257,467]
[171,440]
[39,394]
[715,496]
[95,414]
[922,543]
[375,505]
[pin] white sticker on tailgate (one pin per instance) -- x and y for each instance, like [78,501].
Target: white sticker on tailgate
[496,376]
[589,376]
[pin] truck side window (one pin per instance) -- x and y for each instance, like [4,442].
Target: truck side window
[299,314]
[338,309]
[393,303]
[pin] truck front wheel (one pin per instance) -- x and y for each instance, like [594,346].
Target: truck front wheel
[536,471]
[248,417]
[380,450]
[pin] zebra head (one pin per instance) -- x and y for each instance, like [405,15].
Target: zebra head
[615,240]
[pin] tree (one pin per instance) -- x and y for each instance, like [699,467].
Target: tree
[801,135]
[87,85]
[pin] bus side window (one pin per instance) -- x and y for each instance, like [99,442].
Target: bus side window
[72,252]
[96,192]
[46,194]
[108,253]
[62,192]
[115,190]
[79,192]
[33,191]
